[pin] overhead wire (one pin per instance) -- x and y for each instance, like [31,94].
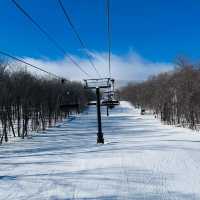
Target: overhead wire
[50,38]
[29,64]
[67,17]
[108,35]
[109,47]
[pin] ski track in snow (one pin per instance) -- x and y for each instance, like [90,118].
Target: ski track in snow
[141,159]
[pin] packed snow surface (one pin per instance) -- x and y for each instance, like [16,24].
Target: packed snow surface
[141,159]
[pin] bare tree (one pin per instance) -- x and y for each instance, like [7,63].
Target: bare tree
[173,96]
[31,103]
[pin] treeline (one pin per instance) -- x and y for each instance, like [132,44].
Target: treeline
[32,103]
[172,96]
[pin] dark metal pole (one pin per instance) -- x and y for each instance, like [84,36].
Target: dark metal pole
[107,109]
[100,138]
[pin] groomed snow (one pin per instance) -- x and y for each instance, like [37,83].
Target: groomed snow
[142,159]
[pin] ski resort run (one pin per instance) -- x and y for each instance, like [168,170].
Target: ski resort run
[141,159]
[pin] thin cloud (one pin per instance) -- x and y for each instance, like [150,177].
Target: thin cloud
[130,67]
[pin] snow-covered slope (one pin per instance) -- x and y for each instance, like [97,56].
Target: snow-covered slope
[141,159]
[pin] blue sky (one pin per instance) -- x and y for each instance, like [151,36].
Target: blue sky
[157,30]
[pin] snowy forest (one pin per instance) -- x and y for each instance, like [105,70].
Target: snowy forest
[32,103]
[173,96]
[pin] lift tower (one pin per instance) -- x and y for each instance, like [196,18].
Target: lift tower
[98,84]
